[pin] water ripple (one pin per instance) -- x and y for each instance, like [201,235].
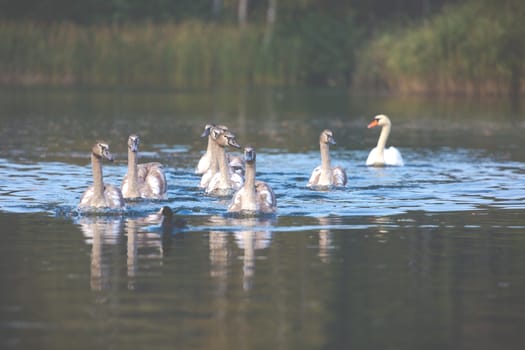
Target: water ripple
[455,180]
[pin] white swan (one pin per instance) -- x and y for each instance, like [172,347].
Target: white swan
[145,180]
[101,195]
[255,197]
[226,180]
[324,175]
[379,156]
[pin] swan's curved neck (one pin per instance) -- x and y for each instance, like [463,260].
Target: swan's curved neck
[383,137]
[132,173]
[223,167]
[98,184]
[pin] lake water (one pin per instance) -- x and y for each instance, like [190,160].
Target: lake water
[426,256]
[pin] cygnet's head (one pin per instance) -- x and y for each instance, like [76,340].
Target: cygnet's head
[327,136]
[209,127]
[249,154]
[133,142]
[101,150]
[224,137]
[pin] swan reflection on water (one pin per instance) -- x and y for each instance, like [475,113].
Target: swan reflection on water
[104,234]
[249,234]
[109,235]
[325,239]
[147,244]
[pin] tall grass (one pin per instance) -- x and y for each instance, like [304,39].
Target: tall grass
[472,48]
[191,54]
[475,47]
[182,55]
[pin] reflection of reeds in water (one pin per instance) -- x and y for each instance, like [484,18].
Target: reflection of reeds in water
[191,54]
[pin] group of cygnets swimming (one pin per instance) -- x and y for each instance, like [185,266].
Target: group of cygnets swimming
[222,174]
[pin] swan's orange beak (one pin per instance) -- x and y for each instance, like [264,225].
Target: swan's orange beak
[373,124]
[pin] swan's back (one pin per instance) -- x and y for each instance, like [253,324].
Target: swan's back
[265,202]
[87,199]
[214,185]
[152,180]
[265,198]
[391,157]
[113,196]
[373,158]
[339,177]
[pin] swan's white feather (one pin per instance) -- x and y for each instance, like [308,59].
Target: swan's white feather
[391,157]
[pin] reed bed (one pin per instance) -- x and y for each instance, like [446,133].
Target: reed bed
[192,54]
[476,47]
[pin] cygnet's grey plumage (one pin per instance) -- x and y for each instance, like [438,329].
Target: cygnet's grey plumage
[254,197]
[324,175]
[225,181]
[145,180]
[101,195]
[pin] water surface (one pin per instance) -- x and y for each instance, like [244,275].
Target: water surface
[429,255]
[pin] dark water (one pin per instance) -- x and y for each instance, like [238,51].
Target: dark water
[426,256]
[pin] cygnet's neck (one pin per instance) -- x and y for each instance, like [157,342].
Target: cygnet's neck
[98,184]
[209,148]
[326,166]
[132,174]
[249,186]
[213,153]
[223,167]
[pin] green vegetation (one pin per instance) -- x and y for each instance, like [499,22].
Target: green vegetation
[190,54]
[473,46]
